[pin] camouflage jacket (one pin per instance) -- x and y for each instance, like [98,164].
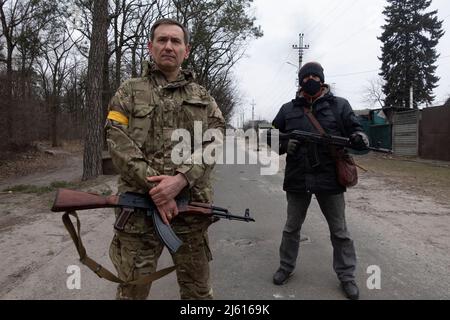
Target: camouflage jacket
[142,117]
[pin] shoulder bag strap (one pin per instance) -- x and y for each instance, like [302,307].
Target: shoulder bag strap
[321,130]
[314,121]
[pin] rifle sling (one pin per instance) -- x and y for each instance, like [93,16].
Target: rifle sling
[97,268]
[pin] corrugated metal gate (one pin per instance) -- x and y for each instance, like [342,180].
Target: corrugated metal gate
[405,133]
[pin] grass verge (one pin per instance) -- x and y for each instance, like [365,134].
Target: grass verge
[40,189]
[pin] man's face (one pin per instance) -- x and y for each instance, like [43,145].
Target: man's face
[168,48]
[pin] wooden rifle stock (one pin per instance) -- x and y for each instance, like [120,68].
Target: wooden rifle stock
[71,200]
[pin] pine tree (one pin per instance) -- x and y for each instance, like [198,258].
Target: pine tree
[409,39]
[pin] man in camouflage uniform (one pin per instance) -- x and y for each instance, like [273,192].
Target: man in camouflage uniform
[143,115]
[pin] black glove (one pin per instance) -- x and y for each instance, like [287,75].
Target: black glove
[292,147]
[358,142]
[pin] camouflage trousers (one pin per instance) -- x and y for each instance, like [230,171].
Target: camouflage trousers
[136,251]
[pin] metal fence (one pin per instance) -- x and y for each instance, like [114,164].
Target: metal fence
[405,133]
[434,134]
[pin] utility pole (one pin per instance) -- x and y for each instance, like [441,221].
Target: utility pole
[253,125]
[301,49]
[253,110]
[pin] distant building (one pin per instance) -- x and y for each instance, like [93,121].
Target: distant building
[256,124]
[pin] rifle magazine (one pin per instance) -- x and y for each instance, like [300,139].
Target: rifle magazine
[166,233]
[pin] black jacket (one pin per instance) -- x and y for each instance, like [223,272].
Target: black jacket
[312,168]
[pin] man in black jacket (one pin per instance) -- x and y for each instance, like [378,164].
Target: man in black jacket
[310,169]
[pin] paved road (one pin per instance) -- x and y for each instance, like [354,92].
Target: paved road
[245,254]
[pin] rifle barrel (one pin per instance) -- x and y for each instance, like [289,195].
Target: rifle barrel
[382,150]
[232,217]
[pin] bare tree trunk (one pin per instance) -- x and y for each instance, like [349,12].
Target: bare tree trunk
[118,78]
[54,120]
[133,62]
[8,99]
[9,102]
[106,96]
[93,145]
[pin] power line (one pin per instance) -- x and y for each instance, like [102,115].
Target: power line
[353,73]
[265,91]
[348,38]
[370,71]
[335,18]
[324,16]
[277,97]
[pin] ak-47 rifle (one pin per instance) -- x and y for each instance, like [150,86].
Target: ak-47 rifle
[69,201]
[326,139]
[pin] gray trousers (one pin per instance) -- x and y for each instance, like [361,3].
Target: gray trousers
[333,208]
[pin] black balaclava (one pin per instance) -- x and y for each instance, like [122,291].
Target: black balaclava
[311,87]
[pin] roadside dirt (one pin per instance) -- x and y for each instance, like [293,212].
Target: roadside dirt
[423,177]
[36,158]
[411,195]
[30,234]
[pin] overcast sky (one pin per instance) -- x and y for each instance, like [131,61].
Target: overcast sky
[342,36]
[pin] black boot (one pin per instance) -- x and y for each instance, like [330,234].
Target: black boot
[350,289]
[281,277]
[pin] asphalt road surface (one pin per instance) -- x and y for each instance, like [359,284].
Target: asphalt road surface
[245,254]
